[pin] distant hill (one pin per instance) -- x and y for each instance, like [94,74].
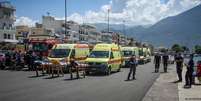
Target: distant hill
[184,29]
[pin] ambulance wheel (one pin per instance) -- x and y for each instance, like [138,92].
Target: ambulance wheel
[108,72]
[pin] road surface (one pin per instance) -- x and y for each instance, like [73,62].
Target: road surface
[23,86]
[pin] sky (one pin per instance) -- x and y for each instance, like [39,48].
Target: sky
[133,12]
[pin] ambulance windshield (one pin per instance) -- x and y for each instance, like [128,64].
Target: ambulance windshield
[59,53]
[99,54]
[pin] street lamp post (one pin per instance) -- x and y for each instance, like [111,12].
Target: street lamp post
[124,29]
[108,20]
[65,16]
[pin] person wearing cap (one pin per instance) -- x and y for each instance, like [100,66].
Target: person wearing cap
[132,65]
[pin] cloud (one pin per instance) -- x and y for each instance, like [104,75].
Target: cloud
[135,12]
[25,21]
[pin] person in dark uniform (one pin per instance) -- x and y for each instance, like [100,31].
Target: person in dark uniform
[132,64]
[165,61]
[189,73]
[157,61]
[73,65]
[179,65]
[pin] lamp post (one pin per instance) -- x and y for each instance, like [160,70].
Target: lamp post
[108,19]
[65,16]
[124,27]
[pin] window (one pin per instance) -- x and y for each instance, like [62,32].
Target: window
[99,54]
[9,36]
[59,53]
[10,26]
[4,25]
[5,36]
[73,54]
[111,55]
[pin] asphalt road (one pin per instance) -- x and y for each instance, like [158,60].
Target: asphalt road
[23,86]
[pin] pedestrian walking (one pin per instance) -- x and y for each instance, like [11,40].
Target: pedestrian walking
[189,73]
[157,61]
[132,65]
[165,61]
[179,65]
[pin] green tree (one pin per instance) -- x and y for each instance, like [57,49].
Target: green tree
[197,49]
[177,48]
[184,48]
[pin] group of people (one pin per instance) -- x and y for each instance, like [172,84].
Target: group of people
[189,78]
[133,63]
[179,60]
[18,59]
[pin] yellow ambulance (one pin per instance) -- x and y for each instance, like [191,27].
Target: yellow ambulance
[144,55]
[65,52]
[127,52]
[104,58]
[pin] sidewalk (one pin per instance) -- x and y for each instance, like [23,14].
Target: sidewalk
[164,89]
[192,94]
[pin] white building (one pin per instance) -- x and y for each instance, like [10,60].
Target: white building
[7,19]
[50,23]
[106,37]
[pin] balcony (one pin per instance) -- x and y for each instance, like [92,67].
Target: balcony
[8,31]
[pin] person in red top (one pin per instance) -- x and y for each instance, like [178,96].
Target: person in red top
[199,71]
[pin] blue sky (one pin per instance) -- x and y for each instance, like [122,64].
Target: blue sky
[134,12]
[36,8]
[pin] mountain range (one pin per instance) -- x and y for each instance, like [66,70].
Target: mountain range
[183,29]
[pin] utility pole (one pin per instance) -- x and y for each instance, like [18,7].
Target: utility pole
[65,17]
[124,27]
[108,20]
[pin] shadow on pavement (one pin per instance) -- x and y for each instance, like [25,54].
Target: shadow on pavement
[177,81]
[197,84]
[69,79]
[50,77]
[36,76]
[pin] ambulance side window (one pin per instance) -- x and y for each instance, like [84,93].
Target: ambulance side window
[72,53]
[111,55]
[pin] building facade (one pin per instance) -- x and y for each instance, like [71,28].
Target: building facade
[7,19]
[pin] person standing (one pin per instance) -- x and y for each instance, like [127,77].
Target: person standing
[189,73]
[73,65]
[179,65]
[165,62]
[157,61]
[132,64]
[18,58]
[8,59]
